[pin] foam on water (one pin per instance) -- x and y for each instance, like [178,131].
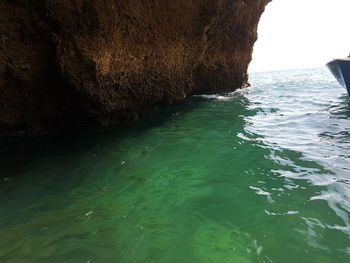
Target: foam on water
[222,97]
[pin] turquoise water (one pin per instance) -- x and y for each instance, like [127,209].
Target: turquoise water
[259,175]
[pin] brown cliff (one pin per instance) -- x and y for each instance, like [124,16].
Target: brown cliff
[70,62]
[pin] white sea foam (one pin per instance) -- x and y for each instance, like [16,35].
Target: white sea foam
[222,97]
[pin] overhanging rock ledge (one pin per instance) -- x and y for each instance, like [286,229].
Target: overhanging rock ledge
[69,62]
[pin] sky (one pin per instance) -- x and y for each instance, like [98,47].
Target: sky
[296,34]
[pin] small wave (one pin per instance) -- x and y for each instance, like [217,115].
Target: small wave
[222,97]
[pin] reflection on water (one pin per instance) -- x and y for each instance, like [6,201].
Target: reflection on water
[313,121]
[259,175]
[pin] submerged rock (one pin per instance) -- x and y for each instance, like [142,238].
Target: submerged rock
[104,62]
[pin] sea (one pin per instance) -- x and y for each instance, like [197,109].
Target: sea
[258,175]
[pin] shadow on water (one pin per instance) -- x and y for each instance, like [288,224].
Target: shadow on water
[47,167]
[17,155]
[341,110]
[339,134]
[74,159]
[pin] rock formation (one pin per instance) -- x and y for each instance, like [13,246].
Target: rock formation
[70,62]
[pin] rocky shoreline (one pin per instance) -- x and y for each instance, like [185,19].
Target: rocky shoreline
[68,63]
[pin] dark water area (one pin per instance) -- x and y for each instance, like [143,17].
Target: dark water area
[258,175]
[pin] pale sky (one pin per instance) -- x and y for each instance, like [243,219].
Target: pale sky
[301,34]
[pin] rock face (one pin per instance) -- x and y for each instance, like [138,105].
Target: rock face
[71,62]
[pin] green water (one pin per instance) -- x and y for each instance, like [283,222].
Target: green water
[259,175]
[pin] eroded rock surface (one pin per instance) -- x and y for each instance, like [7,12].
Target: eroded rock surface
[70,62]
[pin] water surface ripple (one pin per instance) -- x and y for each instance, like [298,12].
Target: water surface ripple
[259,175]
